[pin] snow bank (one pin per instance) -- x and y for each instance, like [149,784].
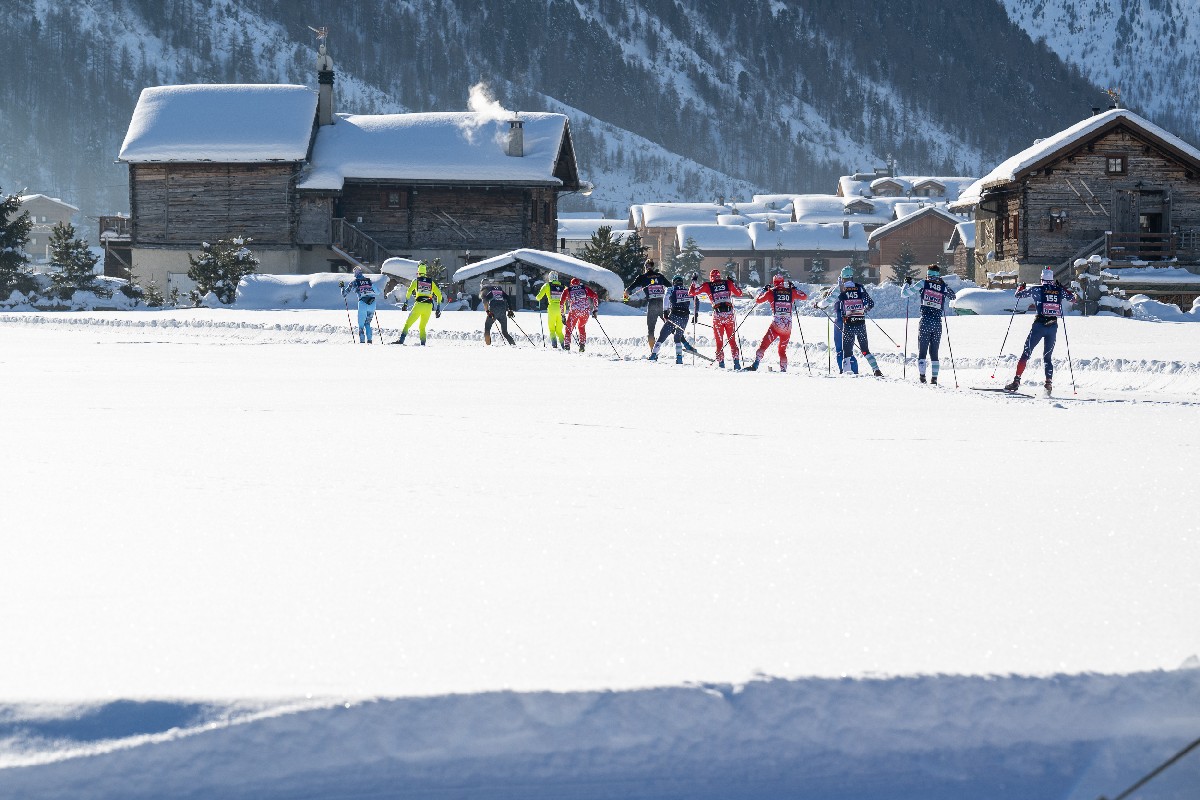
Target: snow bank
[320,290]
[986,301]
[1154,311]
[109,298]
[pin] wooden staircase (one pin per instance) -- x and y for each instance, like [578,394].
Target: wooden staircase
[357,247]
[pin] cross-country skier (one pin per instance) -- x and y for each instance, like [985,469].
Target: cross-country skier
[365,290]
[782,296]
[847,272]
[934,293]
[1050,298]
[721,292]
[425,291]
[581,302]
[551,292]
[679,308]
[851,307]
[496,303]
[654,284]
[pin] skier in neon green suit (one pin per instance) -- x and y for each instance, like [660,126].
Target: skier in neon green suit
[426,292]
[551,290]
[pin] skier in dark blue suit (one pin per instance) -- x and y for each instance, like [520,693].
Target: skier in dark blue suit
[1050,298]
[933,292]
[851,306]
[676,318]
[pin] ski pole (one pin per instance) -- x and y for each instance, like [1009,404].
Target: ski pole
[606,336]
[378,324]
[523,333]
[951,346]
[541,330]
[695,319]
[348,320]
[885,333]
[803,344]
[1006,330]
[828,347]
[904,370]
[1067,336]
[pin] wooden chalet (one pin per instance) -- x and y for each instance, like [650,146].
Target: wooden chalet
[1113,184]
[317,191]
[925,232]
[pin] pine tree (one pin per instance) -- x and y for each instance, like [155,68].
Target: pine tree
[688,260]
[632,258]
[73,262]
[603,250]
[817,269]
[14,233]
[860,264]
[905,265]
[220,267]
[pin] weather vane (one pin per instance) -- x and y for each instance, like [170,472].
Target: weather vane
[321,32]
[1115,96]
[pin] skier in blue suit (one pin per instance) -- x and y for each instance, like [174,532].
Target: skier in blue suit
[934,293]
[365,290]
[1050,299]
[847,273]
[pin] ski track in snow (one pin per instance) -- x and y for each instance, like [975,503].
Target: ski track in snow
[640,539]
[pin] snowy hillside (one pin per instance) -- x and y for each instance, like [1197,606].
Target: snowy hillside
[1148,50]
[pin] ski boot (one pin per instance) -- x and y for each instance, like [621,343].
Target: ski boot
[922,377]
[783,367]
[720,365]
[554,343]
[1014,386]
[878,373]
[402,335]
[1049,387]
[422,343]
[679,359]
[933,381]
[737,363]
[754,367]
[581,347]
[654,356]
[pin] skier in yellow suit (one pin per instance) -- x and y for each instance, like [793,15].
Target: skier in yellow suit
[551,290]
[426,292]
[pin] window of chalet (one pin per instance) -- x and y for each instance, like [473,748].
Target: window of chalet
[393,199]
[545,212]
[1013,221]
[1114,164]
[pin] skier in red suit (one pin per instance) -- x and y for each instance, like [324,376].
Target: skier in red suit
[581,303]
[783,297]
[721,292]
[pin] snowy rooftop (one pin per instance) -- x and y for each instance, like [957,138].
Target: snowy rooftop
[443,146]
[891,226]
[672,215]
[542,259]
[224,123]
[715,237]
[810,237]
[1008,170]
[964,232]
[25,198]
[941,186]
[829,208]
[782,202]
[584,228]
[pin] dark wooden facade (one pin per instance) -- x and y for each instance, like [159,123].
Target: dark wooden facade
[1121,191]
[178,204]
[926,234]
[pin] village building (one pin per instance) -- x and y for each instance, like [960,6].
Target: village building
[658,224]
[576,229]
[44,213]
[1113,184]
[317,191]
[882,184]
[961,250]
[924,233]
[755,252]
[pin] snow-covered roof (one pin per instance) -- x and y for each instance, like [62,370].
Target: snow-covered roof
[829,208]
[809,236]
[404,268]
[715,237]
[733,219]
[583,229]
[952,186]
[763,216]
[1013,167]
[434,147]
[891,226]
[782,202]
[225,123]
[26,198]
[542,259]
[964,232]
[672,215]
[968,199]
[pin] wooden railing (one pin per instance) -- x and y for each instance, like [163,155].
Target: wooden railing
[115,227]
[1144,246]
[358,245]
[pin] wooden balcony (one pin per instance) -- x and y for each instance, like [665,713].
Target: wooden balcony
[1142,246]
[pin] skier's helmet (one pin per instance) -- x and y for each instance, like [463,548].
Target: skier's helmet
[575,281]
[677,279]
[357,271]
[422,270]
[777,280]
[934,270]
[714,275]
[552,277]
[1048,275]
[847,272]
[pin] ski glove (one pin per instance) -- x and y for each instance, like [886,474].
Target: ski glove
[908,281]
[594,314]
[665,316]
[511,314]
[404,307]
[341,284]
[1021,288]
[437,313]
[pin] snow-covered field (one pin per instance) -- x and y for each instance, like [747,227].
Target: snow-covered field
[244,557]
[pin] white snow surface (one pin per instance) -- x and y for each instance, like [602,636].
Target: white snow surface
[464,145]
[221,122]
[523,583]
[542,259]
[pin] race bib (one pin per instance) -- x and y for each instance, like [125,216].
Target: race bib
[853,308]
[655,291]
[720,295]
[932,298]
[497,294]
[1051,309]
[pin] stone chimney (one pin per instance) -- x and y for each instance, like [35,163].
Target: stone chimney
[516,138]
[324,87]
[845,229]
[770,224]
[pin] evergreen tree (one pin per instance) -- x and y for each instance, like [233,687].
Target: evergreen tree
[436,271]
[632,258]
[603,250]
[73,262]
[14,233]
[860,264]
[905,265]
[688,260]
[817,269]
[220,267]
